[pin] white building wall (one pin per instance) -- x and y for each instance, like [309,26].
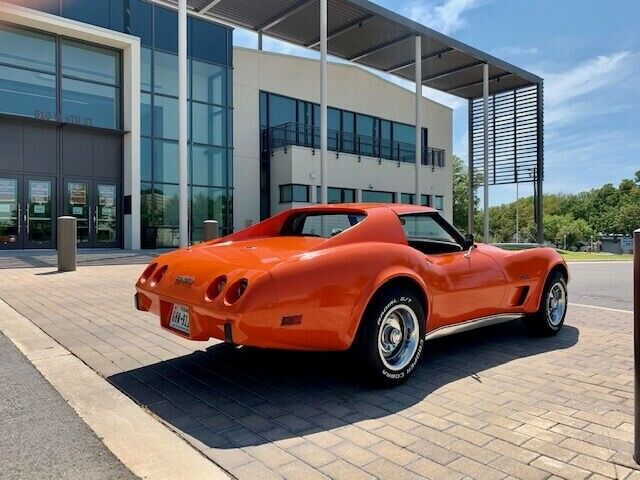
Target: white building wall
[351,88]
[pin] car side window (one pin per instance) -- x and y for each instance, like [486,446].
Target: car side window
[425,227]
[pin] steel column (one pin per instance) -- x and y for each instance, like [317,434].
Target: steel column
[472,188]
[418,80]
[539,206]
[323,101]
[183,190]
[485,113]
[259,40]
[636,342]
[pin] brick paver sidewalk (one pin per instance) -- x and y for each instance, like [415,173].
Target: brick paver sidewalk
[492,403]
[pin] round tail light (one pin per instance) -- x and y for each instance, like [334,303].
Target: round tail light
[216,288]
[147,272]
[237,290]
[158,275]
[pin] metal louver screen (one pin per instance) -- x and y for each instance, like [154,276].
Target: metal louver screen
[515,136]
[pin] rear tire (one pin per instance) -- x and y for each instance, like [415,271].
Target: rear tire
[391,337]
[549,318]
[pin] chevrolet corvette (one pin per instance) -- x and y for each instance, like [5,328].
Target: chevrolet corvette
[376,279]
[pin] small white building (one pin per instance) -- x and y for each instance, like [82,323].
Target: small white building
[371,138]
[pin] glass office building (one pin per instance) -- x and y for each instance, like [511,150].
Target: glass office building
[61,125]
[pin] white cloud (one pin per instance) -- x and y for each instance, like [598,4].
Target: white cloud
[588,88]
[446,16]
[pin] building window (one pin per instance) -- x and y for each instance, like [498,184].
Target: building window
[281,110]
[165,117]
[294,193]
[208,83]
[209,166]
[208,124]
[165,161]
[91,104]
[409,198]
[27,73]
[439,202]
[337,195]
[374,196]
[90,85]
[165,73]
[27,49]
[90,63]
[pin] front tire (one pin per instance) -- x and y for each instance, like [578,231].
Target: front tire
[549,318]
[391,337]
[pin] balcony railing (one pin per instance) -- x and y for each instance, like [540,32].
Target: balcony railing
[302,135]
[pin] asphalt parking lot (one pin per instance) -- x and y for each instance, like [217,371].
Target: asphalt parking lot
[607,284]
[487,404]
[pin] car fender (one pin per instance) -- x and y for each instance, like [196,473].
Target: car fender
[386,275]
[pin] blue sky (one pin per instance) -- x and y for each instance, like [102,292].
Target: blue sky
[587,51]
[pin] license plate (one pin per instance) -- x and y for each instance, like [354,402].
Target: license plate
[180,318]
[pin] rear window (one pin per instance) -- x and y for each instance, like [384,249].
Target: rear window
[323,225]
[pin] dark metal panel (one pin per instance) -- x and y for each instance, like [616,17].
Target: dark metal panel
[107,155]
[373,36]
[12,141]
[40,146]
[77,152]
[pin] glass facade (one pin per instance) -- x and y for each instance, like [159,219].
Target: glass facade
[50,78]
[349,132]
[210,117]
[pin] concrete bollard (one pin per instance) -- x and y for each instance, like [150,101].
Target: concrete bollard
[636,341]
[67,244]
[210,230]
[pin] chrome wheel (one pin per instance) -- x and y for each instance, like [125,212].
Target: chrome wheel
[398,337]
[556,303]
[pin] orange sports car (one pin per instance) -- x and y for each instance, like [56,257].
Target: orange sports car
[377,279]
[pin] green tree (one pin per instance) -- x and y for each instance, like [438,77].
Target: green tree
[461,195]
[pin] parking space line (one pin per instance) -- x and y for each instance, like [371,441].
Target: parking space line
[597,307]
[143,444]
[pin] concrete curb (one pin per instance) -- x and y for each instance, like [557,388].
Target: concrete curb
[143,444]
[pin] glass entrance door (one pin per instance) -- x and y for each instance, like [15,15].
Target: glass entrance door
[76,204]
[106,215]
[27,212]
[96,206]
[10,222]
[39,212]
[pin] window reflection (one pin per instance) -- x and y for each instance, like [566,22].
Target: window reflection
[165,73]
[165,117]
[27,49]
[90,104]
[23,92]
[90,63]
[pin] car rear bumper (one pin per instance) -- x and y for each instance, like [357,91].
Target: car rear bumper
[263,328]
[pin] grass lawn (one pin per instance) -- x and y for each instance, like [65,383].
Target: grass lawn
[593,257]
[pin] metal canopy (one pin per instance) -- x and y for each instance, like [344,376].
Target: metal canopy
[370,35]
